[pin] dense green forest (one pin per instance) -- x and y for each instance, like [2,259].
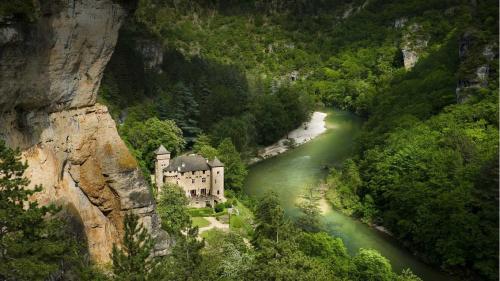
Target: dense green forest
[426,165]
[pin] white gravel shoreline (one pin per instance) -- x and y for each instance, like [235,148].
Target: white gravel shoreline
[306,132]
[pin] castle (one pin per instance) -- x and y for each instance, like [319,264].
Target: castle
[202,180]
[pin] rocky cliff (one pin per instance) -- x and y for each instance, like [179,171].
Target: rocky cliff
[50,71]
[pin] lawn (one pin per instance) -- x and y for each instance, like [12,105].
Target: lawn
[200,222]
[201,212]
[242,223]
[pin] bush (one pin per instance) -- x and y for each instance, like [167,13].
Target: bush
[219,207]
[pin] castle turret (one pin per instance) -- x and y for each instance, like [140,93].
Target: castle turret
[161,162]
[217,174]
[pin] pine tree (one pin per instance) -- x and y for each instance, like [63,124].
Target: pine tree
[186,112]
[133,261]
[31,246]
[309,206]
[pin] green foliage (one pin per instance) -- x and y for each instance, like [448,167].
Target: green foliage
[201,212]
[27,10]
[185,260]
[204,147]
[185,111]
[309,206]
[226,257]
[371,266]
[146,137]
[235,170]
[200,222]
[131,261]
[270,219]
[33,244]
[343,188]
[172,208]
[219,207]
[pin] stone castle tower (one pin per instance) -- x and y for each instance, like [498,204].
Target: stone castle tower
[162,161]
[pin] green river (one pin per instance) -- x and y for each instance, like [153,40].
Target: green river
[288,173]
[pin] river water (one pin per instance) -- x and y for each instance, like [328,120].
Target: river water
[289,173]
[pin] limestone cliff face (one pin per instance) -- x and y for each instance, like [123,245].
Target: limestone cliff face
[49,76]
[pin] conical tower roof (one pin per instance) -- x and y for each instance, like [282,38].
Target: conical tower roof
[161,150]
[215,163]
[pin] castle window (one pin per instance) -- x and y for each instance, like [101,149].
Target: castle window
[215,181]
[182,173]
[204,171]
[217,192]
[203,191]
[192,181]
[218,172]
[192,172]
[203,180]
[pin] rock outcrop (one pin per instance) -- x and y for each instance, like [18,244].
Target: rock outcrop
[478,57]
[413,44]
[151,53]
[49,76]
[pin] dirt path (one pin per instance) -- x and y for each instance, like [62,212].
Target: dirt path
[214,223]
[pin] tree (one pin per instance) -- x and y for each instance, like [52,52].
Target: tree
[184,262]
[371,266]
[226,257]
[270,219]
[234,168]
[33,246]
[133,261]
[146,137]
[240,130]
[185,112]
[309,206]
[203,146]
[172,208]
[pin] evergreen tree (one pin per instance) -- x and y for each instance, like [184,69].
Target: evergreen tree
[132,261]
[234,168]
[32,247]
[184,262]
[309,206]
[186,112]
[270,219]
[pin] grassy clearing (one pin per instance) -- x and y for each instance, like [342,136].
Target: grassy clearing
[243,222]
[200,222]
[201,212]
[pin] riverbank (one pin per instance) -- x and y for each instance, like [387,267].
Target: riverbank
[305,133]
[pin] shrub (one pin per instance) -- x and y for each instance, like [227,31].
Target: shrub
[219,207]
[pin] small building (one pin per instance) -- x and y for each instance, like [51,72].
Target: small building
[201,179]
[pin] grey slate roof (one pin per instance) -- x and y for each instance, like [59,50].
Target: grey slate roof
[188,163]
[161,150]
[215,163]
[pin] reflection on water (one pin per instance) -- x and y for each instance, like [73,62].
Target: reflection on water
[288,174]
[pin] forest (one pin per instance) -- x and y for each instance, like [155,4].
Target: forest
[226,78]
